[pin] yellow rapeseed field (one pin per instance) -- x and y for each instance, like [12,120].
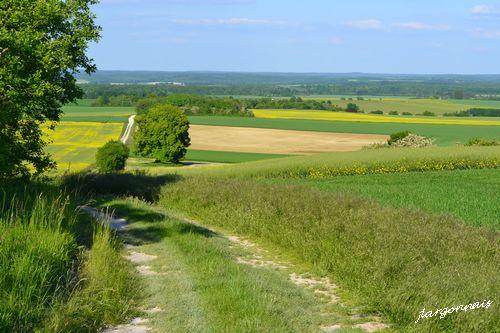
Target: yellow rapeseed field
[360,117]
[73,144]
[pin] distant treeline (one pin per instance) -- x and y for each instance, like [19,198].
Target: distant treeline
[211,105]
[456,90]
[477,112]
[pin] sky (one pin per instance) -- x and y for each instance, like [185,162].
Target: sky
[321,36]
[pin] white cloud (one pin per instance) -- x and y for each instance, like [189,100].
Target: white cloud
[483,9]
[422,26]
[371,24]
[487,34]
[233,22]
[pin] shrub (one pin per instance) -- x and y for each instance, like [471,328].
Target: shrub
[407,113]
[394,113]
[377,112]
[112,157]
[162,134]
[351,107]
[413,141]
[428,114]
[397,136]
[482,142]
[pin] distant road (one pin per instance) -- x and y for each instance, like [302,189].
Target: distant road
[128,130]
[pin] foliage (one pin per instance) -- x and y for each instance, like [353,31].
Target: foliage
[475,112]
[112,156]
[196,105]
[397,136]
[42,46]
[162,134]
[413,141]
[483,142]
[398,261]
[393,113]
[351,107]
[407,113]
[428,114]
[377,112]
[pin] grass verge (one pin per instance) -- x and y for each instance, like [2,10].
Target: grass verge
[398,261]
[46,252]
[470,195]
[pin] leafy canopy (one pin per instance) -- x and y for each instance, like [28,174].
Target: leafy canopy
[162,134]
[43,45]
[112,156]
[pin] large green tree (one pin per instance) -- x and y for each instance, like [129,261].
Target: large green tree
[43,44]
[163,134]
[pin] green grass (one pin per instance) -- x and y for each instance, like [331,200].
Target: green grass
[471,195]
[227,157]
[83,112]
[370,161]
[413,105]
[445,135]
[202,288]
[398,261]
[44,264]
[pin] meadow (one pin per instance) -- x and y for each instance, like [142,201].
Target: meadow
[470,195]
[412,105]
[74,144]
[86,113]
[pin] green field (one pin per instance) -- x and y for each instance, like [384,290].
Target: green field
[74,144]
[471,195]
[445,135]
[96,114]
[226,156]
[412,105]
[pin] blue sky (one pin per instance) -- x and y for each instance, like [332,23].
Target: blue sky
[373,36]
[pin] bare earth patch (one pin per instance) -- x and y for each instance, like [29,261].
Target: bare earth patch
[139,258]
[273,141]
[135,326]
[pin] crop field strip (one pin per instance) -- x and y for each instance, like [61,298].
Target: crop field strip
[445,135]
[271,141]
[87,113]
[413,105]
[371,118]
[74,143]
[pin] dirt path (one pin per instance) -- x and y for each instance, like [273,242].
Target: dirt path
[128,131]
[174,268]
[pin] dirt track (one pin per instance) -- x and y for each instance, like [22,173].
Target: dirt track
[272,141]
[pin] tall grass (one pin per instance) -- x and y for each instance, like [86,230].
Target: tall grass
[375,161]
[398,261]
[45,267]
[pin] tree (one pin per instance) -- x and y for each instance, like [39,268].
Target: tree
[162,134]
[42,46]
[351,107]
[112,156]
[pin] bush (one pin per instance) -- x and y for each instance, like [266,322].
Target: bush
[397,136]
[407,114]
[162,134]
[413,141]
[428,114]
[377,112]
[112,156]
[351,107]
[482,142]
[394,113]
